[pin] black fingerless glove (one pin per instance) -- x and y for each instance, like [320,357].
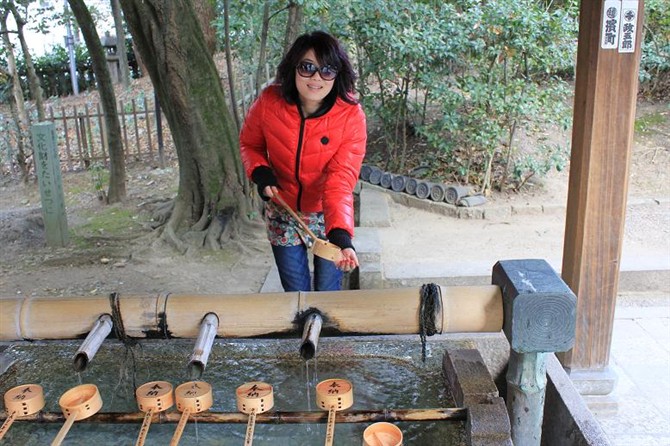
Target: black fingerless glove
[341,238]
[263,176]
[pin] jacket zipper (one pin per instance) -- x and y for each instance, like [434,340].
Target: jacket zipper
[297,160]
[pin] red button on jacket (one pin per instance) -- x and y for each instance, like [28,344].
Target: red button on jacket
[316,160]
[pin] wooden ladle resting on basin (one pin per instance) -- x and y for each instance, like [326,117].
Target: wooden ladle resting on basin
[320,248]
[78,403]
[21,401]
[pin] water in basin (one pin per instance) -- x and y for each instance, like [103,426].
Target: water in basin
[387,373]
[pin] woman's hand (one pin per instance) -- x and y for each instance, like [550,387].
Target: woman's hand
[270,191]
[349,261]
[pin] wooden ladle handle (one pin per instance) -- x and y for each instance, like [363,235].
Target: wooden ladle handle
[330,428]
[180,427]
[144,430]
[249,437]
[8,422]
[65,429]
[296,217]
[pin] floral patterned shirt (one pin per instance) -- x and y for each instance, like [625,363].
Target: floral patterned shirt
[284,231]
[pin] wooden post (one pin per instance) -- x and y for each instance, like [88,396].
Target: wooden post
[540,312]
[67,138]
[47,164]
[602,135]
[159,131]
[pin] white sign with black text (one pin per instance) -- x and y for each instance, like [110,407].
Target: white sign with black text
[629,13]
[609,35]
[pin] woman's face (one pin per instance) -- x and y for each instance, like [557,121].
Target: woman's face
[312,90]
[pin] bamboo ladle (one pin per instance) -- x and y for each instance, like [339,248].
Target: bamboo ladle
[254,398]
[382,434]
[78,403]
[152,397]
[21,401]
[192,397]
[320,248]
[333,395]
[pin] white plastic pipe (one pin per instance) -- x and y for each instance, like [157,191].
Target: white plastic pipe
[101,329]
[203,345]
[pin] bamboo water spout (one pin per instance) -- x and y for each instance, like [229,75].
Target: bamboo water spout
[203,345]
[95,338]
[310,336]
[372,312]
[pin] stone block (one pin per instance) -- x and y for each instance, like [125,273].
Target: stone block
[368,245]
[488,424]
[468,377]
[370,276]
[494,212]
[374,208]
[526,209]
[539,307]
[471,213]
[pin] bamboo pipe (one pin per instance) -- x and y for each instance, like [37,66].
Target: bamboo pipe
[203,345]
[101,329]
[310,336]
[278,417]
[388,311]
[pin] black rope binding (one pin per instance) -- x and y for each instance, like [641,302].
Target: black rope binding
[431,303]
[120,333]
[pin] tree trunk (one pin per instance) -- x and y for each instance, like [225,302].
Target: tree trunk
[293,25]
[121,43]
[33,80]
[23,122]
[262,52]
[205,10]
[210,197]
[117,175]
[229,64]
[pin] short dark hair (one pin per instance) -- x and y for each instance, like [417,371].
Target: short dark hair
[328,51]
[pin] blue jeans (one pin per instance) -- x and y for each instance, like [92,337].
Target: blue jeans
[293,266]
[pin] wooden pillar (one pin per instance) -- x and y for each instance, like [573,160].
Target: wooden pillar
[604,115]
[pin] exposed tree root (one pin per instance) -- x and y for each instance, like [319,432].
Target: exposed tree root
[224,230]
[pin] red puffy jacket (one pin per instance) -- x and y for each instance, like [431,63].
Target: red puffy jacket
[316,160]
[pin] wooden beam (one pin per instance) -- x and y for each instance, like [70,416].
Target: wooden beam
[604,115]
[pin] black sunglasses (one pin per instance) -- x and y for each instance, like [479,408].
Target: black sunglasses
[308,69]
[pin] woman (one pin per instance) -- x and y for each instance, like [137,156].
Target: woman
[304,140]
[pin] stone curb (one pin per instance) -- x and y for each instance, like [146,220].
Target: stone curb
[488,211]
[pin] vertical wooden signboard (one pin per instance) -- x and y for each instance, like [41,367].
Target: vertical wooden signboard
[47,165]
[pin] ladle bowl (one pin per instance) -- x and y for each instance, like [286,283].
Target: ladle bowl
[20,401]
[255,397]
[81,402]
[194,396]
[326,250]
[382,434]
[25,399]
[155,395]
[335,393]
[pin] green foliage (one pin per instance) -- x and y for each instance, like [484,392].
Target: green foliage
[53,69]
[108,221]
[655,62]
[99,178]
[646,123]
[464,76]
